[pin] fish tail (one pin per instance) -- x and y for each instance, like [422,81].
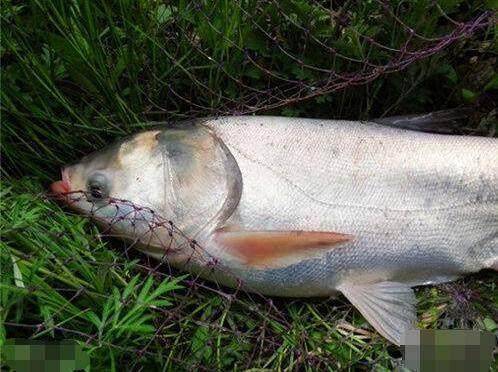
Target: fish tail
[444,121]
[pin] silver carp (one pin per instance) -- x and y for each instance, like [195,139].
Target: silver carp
[304,207]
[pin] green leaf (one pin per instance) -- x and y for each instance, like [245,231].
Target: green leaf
[489,324]
[199,344]
[3,335]
[17,273]
[449,72]
[491,4]
[137,328]
[449,5]
[142,297]
[253,72]
[163,13]
[468,95]
[492,84]
[130,287]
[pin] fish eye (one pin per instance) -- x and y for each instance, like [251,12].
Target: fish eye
[98,186]
[96,192]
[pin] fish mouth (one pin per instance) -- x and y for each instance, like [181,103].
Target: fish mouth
[63,186]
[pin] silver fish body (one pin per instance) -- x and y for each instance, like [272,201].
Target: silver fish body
[422,208]
[400,208]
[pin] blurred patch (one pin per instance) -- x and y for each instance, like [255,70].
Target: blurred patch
[36,355]
[448,350]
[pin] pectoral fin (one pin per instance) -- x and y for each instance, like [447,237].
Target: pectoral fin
[273,249]
[388,306]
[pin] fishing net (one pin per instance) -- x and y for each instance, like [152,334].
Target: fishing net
[151,61]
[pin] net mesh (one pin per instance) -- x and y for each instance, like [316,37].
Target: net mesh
[298,46]
[200,59]
[313,80]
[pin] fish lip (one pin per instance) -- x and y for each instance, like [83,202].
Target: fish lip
[63,186]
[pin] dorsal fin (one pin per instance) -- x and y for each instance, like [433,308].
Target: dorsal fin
[443,122]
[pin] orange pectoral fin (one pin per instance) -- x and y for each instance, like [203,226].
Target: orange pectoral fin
[272,249]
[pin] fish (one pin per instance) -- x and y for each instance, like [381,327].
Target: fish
[295,207]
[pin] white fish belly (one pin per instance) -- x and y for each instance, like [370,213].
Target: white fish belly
[422,207]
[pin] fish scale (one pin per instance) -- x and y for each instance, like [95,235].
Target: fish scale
[390,161]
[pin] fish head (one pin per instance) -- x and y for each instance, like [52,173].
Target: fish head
[98,179]
[141,186]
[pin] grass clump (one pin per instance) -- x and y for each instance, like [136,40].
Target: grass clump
[60,280]
[78,74]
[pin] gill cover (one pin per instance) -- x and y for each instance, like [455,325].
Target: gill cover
[203,183]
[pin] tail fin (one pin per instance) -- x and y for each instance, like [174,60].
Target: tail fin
[444,121]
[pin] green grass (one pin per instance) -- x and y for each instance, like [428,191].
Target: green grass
[78,74]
